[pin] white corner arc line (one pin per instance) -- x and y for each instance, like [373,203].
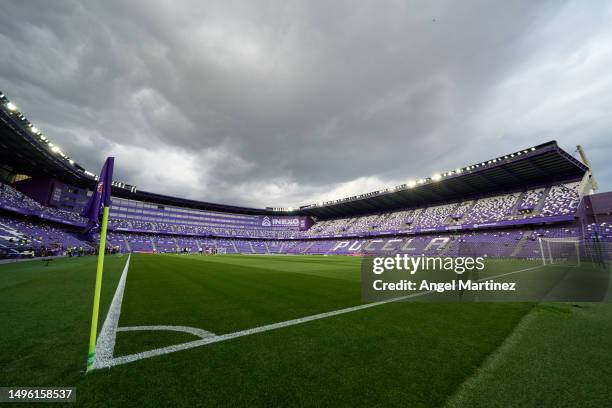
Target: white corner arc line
[215,339]
[203,334]
[108,335]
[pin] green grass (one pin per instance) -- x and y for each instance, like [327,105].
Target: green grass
[397,354]
[559,356]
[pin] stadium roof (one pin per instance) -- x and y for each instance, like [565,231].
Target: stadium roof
[532,167]
[25,150]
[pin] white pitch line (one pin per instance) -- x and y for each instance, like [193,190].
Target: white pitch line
[105,345]
[223,337]
[203,334]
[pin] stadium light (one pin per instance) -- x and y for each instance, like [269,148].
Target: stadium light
[436,177]
[411,183]
[532,149]
[33,129]
[11,106]
[56,149]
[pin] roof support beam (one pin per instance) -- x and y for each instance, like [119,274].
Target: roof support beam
[511,174]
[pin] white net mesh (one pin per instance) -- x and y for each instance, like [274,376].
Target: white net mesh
[565,251]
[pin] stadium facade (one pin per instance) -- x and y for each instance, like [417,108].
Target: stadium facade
[500,207]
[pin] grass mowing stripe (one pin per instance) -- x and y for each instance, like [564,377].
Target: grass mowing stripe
[398,354]
[279,325]
[225,299]
[557,356]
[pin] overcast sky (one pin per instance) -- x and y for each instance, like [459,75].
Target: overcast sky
[282,103]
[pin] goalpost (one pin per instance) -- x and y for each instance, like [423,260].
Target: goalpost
[560,250]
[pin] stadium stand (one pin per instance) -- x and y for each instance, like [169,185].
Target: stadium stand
[500,207]
[155,231]
[22,237]
[562,199]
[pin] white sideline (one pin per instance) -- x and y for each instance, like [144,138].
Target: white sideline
[106,341]
[217,338]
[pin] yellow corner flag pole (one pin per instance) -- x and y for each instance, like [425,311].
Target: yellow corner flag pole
[91,355]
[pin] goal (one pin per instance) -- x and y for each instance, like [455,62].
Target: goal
[564,251]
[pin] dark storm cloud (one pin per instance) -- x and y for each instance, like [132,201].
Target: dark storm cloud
[284,103]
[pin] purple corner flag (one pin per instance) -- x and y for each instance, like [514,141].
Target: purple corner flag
[100,197]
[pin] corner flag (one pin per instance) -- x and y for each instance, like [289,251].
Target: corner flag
[100,197]
[99,200]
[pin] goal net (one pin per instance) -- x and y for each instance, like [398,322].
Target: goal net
[564,251]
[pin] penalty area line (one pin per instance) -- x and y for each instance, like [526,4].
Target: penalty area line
[247,332]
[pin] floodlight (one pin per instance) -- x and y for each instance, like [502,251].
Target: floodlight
[34,129]
[11,106]
[436,177]
[55,149]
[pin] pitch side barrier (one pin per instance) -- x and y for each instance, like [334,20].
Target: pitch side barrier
[470,276]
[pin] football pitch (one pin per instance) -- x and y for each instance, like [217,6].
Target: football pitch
[242,330]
